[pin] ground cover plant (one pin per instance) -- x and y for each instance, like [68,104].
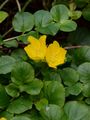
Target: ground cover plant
[45,60]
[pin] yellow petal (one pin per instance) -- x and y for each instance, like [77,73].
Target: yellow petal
[42,39]
[37,49]
[32,40]
[3,118]
[55,55]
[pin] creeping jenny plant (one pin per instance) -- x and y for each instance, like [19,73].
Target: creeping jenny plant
[53,54]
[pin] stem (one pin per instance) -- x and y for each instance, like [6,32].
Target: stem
[9,39]
[72,47]
[7,32]
[4,3]
[26,4]
[19,6]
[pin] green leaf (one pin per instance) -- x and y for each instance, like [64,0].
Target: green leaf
[75,89]
[23,22]
[12,90]
[67,25]
[40,18]
[19,54]
[55,93]
[59,13]
[41,104]
[86,13]
[20,118]
[6,114]
[87,101]
[4,98]
[86,90]
[3,16]
[33,88]
[12,43]
[51,75]
[22,73]
[20,105]
[81,55]
[69,76]
[84,71]
[81,3]
[75,14]
[51,29]
[76,110]
[43,25]
[6,64]
[51,112]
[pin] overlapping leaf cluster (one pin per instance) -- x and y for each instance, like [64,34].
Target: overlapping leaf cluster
[31,90]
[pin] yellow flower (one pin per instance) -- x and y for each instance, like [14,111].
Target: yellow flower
[36,50]
[3,118]
[55,55]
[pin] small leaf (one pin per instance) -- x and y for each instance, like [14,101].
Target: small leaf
[20,118]
[19,54]
[41,104]
[68,25]
[22,73]
[6,64]
[86,89]
[4,98]
[6,114]
[40,18]
[86,13]
[75,14]
[23,22]
[69,76]
[20,105]
[33,88]
[51,112]
[12,90]
[55,93]
[12,43]
[51,29]
[81,55]
[84,71]
[43,25]
[3,16]
[59,13]
[75,89]
[76,110]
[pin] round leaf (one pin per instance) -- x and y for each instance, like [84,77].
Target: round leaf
[69,76]
[12,90]
[20,118]
[23,22]
[86,13]
[20,105]
[33,88]
[51,112]
[41,104]
[84,71]
[22,73]
[3,16]
[59,13]
[68,25]
[75,89]
[55,93]
[86,90]
[4,98]
[82,55]
[76,110]
[6,64]
[42,18]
